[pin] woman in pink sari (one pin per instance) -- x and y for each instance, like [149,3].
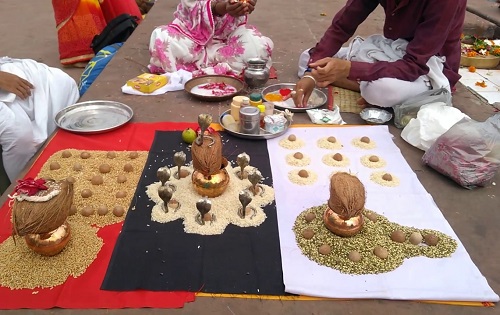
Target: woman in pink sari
[208,36]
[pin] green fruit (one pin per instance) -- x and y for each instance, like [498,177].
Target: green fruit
[188,135]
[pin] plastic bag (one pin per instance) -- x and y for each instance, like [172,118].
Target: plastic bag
[325,116]
[432,121]
[469,153]
[405,112]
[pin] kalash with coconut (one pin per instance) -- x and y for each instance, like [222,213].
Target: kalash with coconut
[40,208]
[228,195]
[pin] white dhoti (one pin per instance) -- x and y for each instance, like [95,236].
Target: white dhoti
[26,124]
[387,92]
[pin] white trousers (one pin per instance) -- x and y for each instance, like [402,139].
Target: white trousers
[26,124]
[388,92]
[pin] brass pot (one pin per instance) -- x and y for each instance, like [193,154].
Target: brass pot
[340,226]
[212,185]
[51,243]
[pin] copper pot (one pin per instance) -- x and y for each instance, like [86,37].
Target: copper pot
[212,185]
[51,243]
[342,226]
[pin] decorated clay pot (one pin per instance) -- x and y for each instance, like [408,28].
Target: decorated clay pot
[51,243]
[342,226]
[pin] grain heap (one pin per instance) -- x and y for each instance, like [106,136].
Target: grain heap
[298,159]
[104,182]
[364,143]
[385,179]
[224,207]
[336,159]
[372,250]
[330,143]
[292,142]
[373,161]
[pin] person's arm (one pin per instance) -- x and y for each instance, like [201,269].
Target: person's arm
[440,24]
[13,84]
[343,26]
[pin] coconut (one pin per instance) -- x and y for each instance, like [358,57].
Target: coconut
[347,195]
[207,157]
[43,212]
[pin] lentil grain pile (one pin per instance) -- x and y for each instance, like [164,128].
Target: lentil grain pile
[22,268]
[104,182]
[371,251]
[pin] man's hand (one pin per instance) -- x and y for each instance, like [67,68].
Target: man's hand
[302,92]
[13,84]
[328,70]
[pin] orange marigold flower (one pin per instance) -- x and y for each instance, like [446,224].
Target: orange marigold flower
[472,69]
[481,84]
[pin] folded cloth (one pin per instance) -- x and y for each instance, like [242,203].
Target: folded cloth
[176,81]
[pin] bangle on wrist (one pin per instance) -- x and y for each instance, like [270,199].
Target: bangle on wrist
[310,77]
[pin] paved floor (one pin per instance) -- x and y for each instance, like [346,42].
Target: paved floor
[293,25]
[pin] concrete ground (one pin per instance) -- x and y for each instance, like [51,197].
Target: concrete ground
[29,32]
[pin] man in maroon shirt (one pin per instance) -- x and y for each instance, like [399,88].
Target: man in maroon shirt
[430,27]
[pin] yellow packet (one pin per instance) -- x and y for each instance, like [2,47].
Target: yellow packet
[147,82]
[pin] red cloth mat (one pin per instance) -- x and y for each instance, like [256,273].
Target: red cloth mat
[84,291]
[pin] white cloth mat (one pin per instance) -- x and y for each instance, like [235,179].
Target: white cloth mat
[176,81]
[449,279]
[491,93]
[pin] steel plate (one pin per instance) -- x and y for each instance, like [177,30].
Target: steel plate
[319,97]
[263,133]
[93,116]
[194,82]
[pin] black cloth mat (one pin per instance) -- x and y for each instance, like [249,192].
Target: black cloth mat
[161,257]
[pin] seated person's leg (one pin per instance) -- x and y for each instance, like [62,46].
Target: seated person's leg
[16,139]
[244,43]
[171,51]
[387,92]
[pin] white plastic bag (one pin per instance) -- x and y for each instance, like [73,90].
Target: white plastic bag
[432,121]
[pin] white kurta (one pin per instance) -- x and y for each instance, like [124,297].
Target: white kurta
[26,124]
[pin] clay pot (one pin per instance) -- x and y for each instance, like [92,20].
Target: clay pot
[341,226]
[51,243]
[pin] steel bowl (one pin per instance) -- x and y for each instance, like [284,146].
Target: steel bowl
[194,82]
[375,116]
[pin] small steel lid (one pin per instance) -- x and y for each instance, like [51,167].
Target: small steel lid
[248,112]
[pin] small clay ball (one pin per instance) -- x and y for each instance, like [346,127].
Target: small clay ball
[310,216]
[298,156]
[303,174]
[128,168]
[133,155]
[85,155]
[54,166]
[86,193]
[121,194]
[398,236]
[387,177]
[331,139]
[380,252]
[184,173]
[77,167]
[111,155]
[104,168]
[70,179]
[415,238]
[96,180]
[365,139]
[338,157]
[66,154]
[87,211]
[372,216]
[121,179]
[307,234]
[102,210]
[292,137]
[373,158]
[354,256]
[207,217]
[431,239]
[118,211]
[73,210]
[325,249]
